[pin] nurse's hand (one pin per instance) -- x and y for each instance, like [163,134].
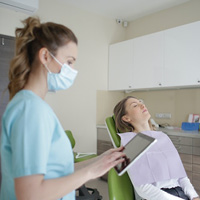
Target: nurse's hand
[105,162]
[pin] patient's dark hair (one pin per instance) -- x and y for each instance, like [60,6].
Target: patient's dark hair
[119,112]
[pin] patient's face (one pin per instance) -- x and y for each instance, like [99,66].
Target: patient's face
[136,111]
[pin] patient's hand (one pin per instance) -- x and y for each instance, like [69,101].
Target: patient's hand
[197,198]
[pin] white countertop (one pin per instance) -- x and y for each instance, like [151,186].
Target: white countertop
[172,131]
[101,126]
[180,132]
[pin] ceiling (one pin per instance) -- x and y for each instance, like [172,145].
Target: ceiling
[126,10]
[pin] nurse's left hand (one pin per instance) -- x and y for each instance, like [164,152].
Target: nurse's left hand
[106,161]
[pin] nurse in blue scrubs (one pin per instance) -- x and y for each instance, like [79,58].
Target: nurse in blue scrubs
[36,155]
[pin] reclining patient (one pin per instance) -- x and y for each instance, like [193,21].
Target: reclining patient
[159,174]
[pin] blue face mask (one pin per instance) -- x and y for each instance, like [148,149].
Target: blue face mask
[62,80]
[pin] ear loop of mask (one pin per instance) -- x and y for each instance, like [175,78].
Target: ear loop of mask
[55,59]
[45,65]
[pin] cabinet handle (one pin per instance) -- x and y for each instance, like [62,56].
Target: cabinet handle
[178,147]
[2,41]
[160,84]
[176,139]
[129,86]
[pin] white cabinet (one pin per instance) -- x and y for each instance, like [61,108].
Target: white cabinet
[182,55]
[120,66]
[165,59]
[148,61]
[136,63]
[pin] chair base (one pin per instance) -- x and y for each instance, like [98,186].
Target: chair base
[84,193]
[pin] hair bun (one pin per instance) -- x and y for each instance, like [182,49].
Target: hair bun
[26,34]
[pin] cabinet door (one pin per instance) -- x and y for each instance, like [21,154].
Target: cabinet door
[148,61]
[182,55]
[120,66]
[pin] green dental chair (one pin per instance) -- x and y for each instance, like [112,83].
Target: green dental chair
[83,193]
[78,157]
[119,187]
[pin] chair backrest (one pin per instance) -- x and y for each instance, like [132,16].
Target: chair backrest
[112,131]
[119,187]
[71,138]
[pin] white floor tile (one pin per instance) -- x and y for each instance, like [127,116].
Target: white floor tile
[101,186]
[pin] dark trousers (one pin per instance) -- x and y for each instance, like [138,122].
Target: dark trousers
[177,191]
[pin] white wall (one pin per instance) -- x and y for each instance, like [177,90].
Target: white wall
[173,101]
[76,107]
[176,16]
[9,20]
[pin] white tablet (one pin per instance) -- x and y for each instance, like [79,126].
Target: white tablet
[134,149]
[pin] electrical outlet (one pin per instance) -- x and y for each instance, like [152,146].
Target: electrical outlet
[163,115]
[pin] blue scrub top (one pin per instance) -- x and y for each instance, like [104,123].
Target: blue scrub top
[32,142]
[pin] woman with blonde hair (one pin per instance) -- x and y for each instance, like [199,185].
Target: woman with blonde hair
[36,155]
[159,173]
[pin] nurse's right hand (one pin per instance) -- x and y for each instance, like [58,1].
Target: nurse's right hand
[103,163]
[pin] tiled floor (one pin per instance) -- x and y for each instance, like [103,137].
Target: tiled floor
[101,186]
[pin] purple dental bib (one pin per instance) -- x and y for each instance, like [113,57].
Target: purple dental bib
[160,163]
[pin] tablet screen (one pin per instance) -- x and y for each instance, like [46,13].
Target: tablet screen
[134,149]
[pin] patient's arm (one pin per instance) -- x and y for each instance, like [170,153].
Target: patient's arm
[150,192]
[188,188]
